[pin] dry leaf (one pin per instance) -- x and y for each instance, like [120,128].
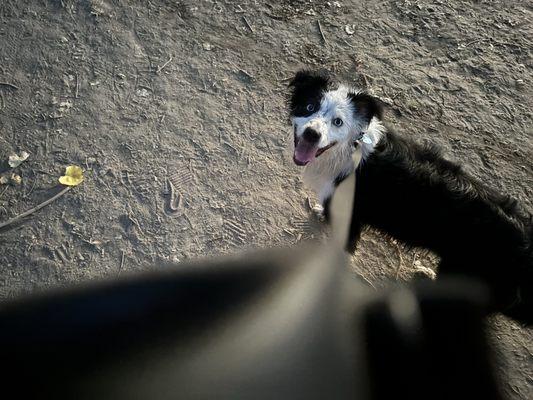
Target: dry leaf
[15,160]
[349,29]
[73,176]
[16,179]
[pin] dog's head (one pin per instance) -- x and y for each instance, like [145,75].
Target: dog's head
[325,114]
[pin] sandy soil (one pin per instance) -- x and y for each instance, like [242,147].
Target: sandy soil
[176,111]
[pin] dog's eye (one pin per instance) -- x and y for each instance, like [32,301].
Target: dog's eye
[337,122]
[310,107]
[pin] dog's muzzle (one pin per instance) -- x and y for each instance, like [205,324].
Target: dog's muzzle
[306,151]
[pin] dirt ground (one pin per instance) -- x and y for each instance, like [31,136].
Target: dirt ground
[176,112]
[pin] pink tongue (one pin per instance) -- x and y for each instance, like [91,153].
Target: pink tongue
[304,151]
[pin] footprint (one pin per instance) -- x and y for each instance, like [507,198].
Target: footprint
[303,225]
[175,184]
[22,120]
[125,177]
[144,187]
[181,179]
[234,232]
[307,228]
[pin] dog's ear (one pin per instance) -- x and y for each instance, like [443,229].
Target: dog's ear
[300,78]
[366,106]
[306,86]
[306,77]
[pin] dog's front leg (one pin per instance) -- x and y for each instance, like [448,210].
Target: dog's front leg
[355,227]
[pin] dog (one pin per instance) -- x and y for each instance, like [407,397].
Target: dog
[410,192]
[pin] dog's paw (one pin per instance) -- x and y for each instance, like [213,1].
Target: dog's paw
[422,272]
[318,210]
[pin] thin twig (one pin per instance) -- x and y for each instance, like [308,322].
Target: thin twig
[247,24]
[268,147]
[476,41]
[36,208]
[321,32]
[309,204]
[231,147]
[9,85]
[159,69]
[365,279]
[121,262]
[188,220]
[24,195]
[282,80]
[400,264]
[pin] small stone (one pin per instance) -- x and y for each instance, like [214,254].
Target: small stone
[64,106]
[207,46]
[142,92]
[350,29]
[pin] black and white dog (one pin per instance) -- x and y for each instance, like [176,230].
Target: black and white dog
[410,192]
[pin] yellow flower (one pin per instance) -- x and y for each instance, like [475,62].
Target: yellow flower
[73,176]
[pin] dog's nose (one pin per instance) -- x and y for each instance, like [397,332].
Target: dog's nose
[311,135]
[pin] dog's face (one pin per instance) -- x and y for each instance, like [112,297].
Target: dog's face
[325,114]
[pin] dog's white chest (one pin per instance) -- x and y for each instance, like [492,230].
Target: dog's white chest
[321,184]
[320,175]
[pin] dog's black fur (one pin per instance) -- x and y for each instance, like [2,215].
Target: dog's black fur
[412,193]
